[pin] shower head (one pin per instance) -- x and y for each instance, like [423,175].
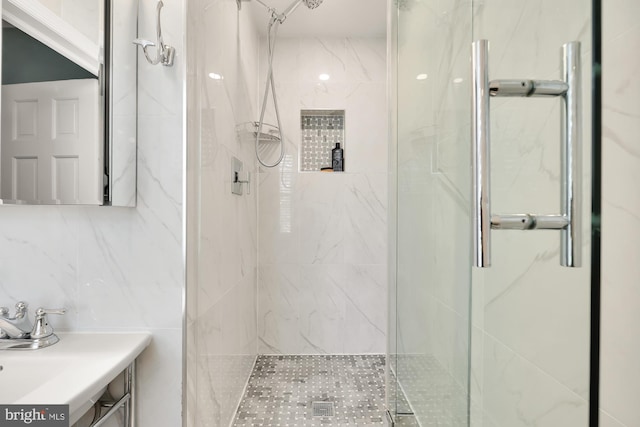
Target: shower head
[311,4]
[280,17]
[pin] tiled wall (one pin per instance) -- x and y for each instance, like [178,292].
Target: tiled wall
[118,268]
[531,317]
[222,227]
[620,372]
[322,236]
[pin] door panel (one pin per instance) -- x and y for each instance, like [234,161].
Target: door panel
[432,279]
[508,345]
[533,315]
[49,134]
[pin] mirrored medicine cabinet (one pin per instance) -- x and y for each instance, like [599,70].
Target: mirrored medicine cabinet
[69,107]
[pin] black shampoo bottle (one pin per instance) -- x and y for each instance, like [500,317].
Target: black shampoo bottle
[337,158]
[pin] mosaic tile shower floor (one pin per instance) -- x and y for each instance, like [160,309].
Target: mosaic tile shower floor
[437,400]
[282,388]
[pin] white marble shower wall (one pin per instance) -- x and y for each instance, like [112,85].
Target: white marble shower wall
[322,284]
[531,317]
[119,268]
[222,227]
[620,347]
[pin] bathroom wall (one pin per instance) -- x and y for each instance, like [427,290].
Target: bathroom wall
[119,269]
[620,347]
[222,227]
[322,236]
[531,316]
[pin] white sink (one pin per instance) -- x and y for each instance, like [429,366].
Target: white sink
[74,371]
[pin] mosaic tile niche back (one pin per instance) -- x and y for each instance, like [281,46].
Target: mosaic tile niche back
[321,131]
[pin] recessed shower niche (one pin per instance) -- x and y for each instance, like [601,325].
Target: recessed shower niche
[321,130]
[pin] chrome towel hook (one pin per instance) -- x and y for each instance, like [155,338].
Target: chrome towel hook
[165,53]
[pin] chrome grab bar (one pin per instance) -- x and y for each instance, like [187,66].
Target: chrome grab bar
[481,209]
[569,222]
[571,160]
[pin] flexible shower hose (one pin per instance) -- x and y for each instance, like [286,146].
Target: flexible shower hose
[272,26]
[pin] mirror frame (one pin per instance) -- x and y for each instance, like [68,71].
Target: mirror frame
[115,64]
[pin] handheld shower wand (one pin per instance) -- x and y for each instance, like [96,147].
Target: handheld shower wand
[272,30]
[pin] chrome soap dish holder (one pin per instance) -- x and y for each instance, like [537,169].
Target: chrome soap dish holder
[165,53]
[269,132]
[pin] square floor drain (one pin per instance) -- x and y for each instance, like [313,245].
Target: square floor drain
[322,409]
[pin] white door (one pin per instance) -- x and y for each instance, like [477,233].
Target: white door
[50,150]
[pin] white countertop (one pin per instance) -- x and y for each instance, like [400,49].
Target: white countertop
[72,372]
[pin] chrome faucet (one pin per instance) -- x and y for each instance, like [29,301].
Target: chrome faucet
[17,326]
[17,332]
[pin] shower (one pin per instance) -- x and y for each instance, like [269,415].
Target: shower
[272,30]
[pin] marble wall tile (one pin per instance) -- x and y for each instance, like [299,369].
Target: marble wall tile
[365,235]
[450,282]
[435,133]
[46,237]
[118,268]
[620,220]
[224,241]
[518,47]
[556,338]
[517,393]
[121,271]
[279,219]
[286,62]
[324,95]
[318,56]
[415,307]
[476,376]
[322,309]
[366,141]
[366,313]
[534,309]
[366,60]
[605,420]
[190,388]
[450,341]
[318,233]
[220,387]
[163,356]
[321,201]
[278,314]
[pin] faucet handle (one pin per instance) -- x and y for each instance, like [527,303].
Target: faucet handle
[41,327]
[4,312]
[42,311]
[21,310]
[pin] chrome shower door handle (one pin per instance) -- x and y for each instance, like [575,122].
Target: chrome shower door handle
[569,221]
[481,207]
[571,159]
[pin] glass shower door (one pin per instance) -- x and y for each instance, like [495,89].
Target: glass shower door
[505,345]
[431,269]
